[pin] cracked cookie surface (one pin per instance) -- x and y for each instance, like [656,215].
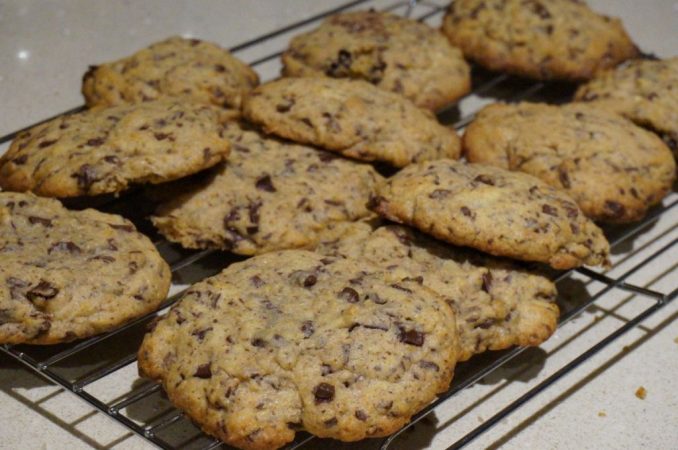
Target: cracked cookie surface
[543,39]
[613,169]
[269,195]
[296,340]
[176,67]
[351,117]
[105,150]
[645,91]
[503,213]
[49,254]
[394,53]
[497,303]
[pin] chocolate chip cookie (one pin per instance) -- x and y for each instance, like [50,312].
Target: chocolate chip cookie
[351,117]
[105,150]
[296,340]
[48,293]
[397,54]
[503,213]
[613,169]
[645,91]
[176,67]
[269,195]
[497,303]
[543,39]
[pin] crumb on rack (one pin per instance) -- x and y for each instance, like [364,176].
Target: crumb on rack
[641,393]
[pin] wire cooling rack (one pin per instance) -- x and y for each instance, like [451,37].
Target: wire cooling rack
[85,368]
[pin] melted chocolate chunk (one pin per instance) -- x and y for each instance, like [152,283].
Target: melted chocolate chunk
[69,247]
[614,209]
[96,142]
[204,371]
[324,393]
[265,184]
[40,220]
[85,176]
[411,337]
[307,328]
[429,365]
[349,294]
[485,179]
[487,281]
[550,210]
[43,291]
[360,415]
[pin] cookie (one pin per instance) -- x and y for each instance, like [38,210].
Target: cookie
[176,67]
[542,39]
[351,117]
[105,150]
[497,303]
[297,340]
[269,195]
[645,91]
[48,293]
[394,53]
[613,169]
[503,213]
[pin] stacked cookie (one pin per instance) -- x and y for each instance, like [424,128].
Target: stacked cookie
[363,291]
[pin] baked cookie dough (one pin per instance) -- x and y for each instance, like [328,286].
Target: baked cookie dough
[613,169]
[176,67]
[503,213]
[645,91]
[351,117]
[48,293]
[269,195]
[497,303]
[543,39]
[394,53]
[296,340]
[105,150]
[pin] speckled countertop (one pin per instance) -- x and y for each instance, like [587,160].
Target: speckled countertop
[45,47]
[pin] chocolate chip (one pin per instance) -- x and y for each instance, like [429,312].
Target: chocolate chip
[195,42]
[411,337]
[564,178]
[418,279]
[310,280]
[44,144]
[550,210]
[20,160]
[86,176]
[112,159]
[331,422]
[307,328]
[160,136]
[220,68]
[200,334]
[485,179]
[257,281]
[360,415]
[401,288]
[258,342]
[40,220]
[375,298]
[440,193]
[254,211]
[104,258]
[614,209]
[44,290]
[465,211]
[485,325]
[63,246]
[95,142]
[324,393]
[429,365]
[487,281]
[126,228]
[350,295]
[204,371]
[265,184]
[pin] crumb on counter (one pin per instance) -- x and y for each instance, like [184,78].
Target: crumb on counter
[602,414]
[641,393]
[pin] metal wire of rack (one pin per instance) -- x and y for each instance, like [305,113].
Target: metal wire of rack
[76,367]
